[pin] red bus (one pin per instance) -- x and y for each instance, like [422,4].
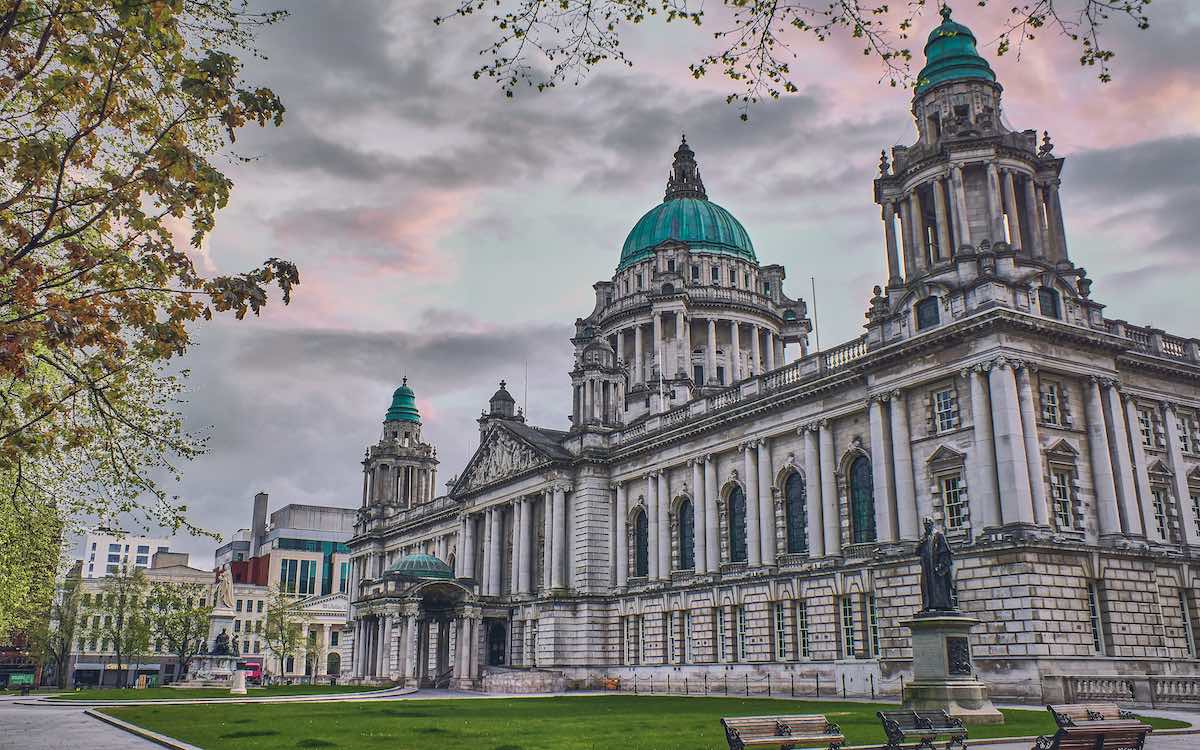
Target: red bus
[253,670]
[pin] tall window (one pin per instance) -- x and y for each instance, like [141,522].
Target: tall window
[945,410]
[722,649]
[1060,491]
[802,627]
[1185,614]
[696,274]
[343,577]
[641,624]
[737,525]
[287,576]
[1146,427]
[1195,495]
[1052,403]
[1094,618]
[849,637]
[862,501]
[641,544]
[1184,426]
[954,501]
[781,650]
[1160,510]
[796,511]
[927,313]
[668,621]
[873,622]
[688,653]
[308,577]
[687,535]
[1048,301]
[716,274]
[740,633]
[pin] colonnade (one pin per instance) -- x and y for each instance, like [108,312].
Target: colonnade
[418,647]
[751,350]
[1015,198]
[487,533]
[404,484]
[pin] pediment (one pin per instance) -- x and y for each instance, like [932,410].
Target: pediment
[335,601]
[946,455]
[500,455]
[1194,475]
[1062,448]
[1158,467]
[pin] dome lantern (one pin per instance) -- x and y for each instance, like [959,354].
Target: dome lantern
[404,405]
[950,55]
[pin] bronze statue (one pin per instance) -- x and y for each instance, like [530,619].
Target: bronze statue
[937,574]
[221,644]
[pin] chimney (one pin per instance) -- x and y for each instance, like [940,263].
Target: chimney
[259,528]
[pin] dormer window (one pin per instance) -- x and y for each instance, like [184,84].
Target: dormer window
[696,274]
[640,281]
[1048,301]
[746,279]
[767,288]
[670,265]
[927,313]
[716,274]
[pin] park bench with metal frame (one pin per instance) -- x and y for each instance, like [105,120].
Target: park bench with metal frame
[924,728]
[1074,714]
[1094,726]
[785,732]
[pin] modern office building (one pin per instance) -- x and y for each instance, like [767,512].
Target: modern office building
[103,553]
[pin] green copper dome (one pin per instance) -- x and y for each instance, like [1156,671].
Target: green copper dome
[686,215]
[423,566]
[404,406]
[950,55]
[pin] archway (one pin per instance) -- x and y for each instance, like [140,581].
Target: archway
[497,643]
[862,501]
[737,525]
[333,664]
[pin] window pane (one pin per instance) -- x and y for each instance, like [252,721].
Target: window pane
[862,501]
[641,544]
[797,514]
[737,525]
[687,536]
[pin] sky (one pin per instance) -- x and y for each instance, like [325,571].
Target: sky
[451,235]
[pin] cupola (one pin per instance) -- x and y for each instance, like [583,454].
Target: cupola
[950,55]
[404,405]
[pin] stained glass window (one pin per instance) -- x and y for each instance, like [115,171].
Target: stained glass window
[862,501]
[737,525]
[927,313]
[641,544]
[687,535]
[797,514]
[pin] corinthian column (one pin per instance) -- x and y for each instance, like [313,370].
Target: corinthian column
[829,500]
[944,251]
[622,540]
[750,469]
[558,575]
[985,498]
[525,577]
[711,375]
[699,514]
[907,513]
[812,491]
[1033,447]
[736,346]
[712,537]
[664,527]
[1141,472]
[1010,207]
[1011,466]
[961,222]
[881,467]
[1033,215]
[1099,452]
[766,505]
[893,255]
[547,538]
[1118,438]
[515,563]
[1189,534]
[652,526]
[638,357]
[995,211]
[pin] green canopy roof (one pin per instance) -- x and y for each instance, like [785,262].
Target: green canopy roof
[950,55]
[423,566]
[404,406]
[704,225]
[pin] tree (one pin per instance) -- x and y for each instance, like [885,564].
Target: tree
[113,114]
[543,43]
[124,622]
[53,636]
[179,616]
[281,631]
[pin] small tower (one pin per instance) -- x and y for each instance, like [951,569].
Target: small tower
[400,471]
[684,181]
[501,407]
[598,385]
[976,203]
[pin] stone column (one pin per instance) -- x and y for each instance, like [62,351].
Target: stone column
[736,345]
[893,256]
[918,229]
[497,564]
[651,526]
[981,489]
[514,571]
[766,503]
[1141,472]
[812,491]
[1010,207]
[750,478]
[944,250]
[995,211]
[881,470]
[1033,218]
[906,238]
[1118,440]
[657,344]
[638,357]
[485,554]
[699,514]
[621,345]
[547,538]
[687,346]
[525,577]
[1011,466]
[771,359]
[829,498]
[962,222]
[664,527]
[712,525]
[468,547]
[711,375]
[679,326]
[1099,451]
[622,540]
[355,659]
[1054,206]
[558,576]
[1033,446]
[385,653]
[908,515]
[460,650]
[755,351]
[1188,533]
[413,649]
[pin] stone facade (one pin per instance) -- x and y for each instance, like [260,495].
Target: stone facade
[717,509]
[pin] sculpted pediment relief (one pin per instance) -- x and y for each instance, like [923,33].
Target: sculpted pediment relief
[501,455]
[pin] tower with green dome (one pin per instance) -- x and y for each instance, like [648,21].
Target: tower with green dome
[400,471]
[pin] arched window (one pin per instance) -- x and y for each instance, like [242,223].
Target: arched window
[687,535]
[641,544]
[668,288]
[927,313]
[795,498]
[737,525]
[1048,301]
[862,501]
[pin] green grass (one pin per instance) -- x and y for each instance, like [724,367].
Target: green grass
[166,693]
[571,723]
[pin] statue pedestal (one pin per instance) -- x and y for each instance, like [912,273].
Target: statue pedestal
[943,676]
[239,683]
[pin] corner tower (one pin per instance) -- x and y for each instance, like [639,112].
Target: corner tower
[971,211]
[400,471]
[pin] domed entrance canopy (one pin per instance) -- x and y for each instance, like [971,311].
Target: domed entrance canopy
[422,567]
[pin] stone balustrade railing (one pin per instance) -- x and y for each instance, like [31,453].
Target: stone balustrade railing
[1154,341]
[1124,690]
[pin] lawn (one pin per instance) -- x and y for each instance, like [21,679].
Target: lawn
[166,693]
[572,723]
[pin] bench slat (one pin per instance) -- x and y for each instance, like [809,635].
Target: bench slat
[781,731]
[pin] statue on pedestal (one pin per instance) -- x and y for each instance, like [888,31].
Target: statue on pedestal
[937,571]
[223,596]
[221,646]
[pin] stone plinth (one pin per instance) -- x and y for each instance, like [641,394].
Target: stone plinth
[943,675]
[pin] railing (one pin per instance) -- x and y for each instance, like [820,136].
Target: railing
[1154,341]
[1099,688]
[1175,689]
[804,685]
[725,398]
[846,353]
[1173,346]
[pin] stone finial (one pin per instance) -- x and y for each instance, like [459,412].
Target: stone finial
[1047,148]
[1083,284]
[884,165]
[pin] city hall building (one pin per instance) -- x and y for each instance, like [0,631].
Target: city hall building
[727,501]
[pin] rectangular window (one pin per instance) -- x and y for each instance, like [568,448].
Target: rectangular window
[873,619]
[766,288]
[1146,427]
[696,274]
[641,621]
[945,413]
[143,549]
[849,637]
[257,648]
[1185,614]
[781,650]
[237,606]
[308,576]
[1060,498]
[343,577]
[746,279]
[257,608]
[802,627]
[716,274]
[954,501]
[688,655]
[670,265]
[114,558]
[640,282]
[245,647]
[740,633]
[1184,425]
[142,560]
[237,626]
[334,637]
[1052,404]
[114,548]
[287,576]
[1094,618]
[669,637]
[1160,510]
[719,624]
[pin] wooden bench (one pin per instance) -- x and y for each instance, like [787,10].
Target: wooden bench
[786,732]
[924,728]
[1097,735]
[1074,714]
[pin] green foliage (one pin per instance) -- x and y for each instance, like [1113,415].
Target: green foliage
[117,617]
[281,631]
[179,617]
[174,693]
[51,638]
[112,116]
[543,43]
